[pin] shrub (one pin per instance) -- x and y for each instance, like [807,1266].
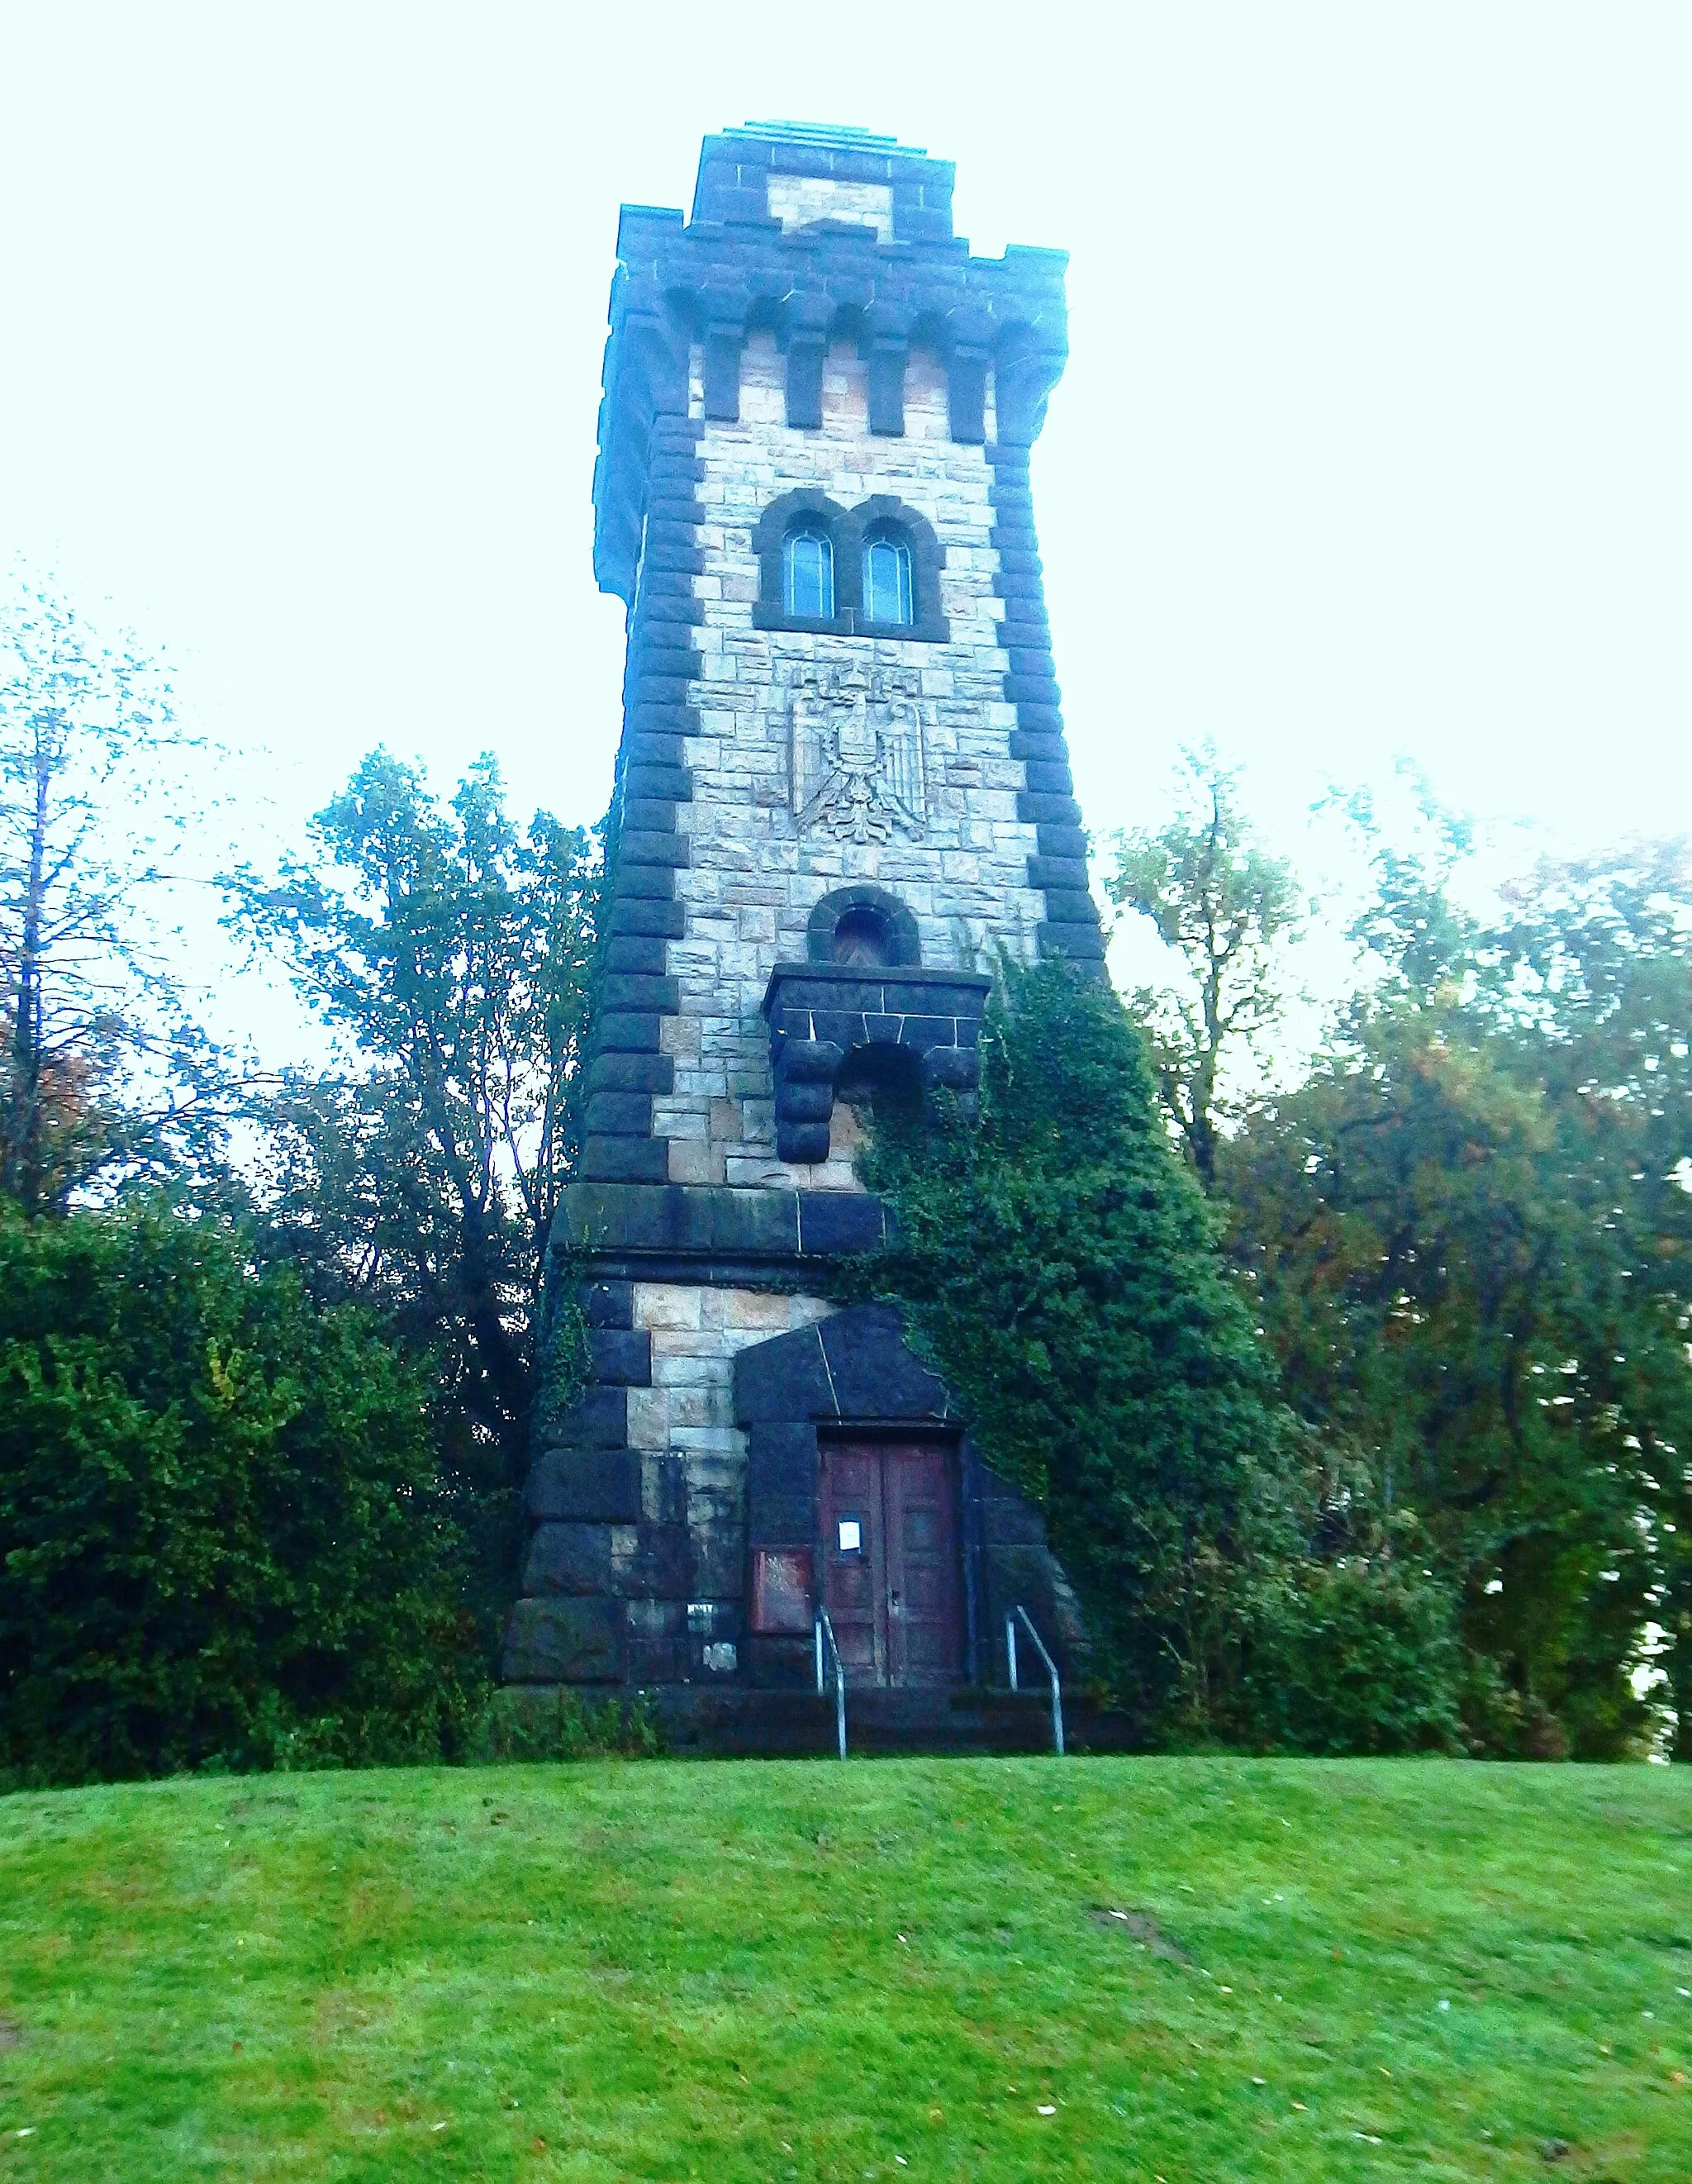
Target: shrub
[1360,1655]
[549,1722]
[221,1539]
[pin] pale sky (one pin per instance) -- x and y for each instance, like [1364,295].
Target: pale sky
[1377,435]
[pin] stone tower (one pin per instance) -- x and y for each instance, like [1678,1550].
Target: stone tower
[841,788]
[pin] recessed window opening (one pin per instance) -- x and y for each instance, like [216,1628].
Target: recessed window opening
[808,575]
[864,935]
[887,582]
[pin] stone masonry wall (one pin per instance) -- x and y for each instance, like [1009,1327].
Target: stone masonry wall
[796,200]
[688,1411]
[753,875]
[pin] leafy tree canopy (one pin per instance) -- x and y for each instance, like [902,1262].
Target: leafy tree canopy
[454,953]
[1468,1233]
[1229,911]
[222,1540]
[104,1076]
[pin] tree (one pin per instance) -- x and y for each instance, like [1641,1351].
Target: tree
[222,1537]
[453,956]
[1229,911]
[102,1069]
[1467,1235]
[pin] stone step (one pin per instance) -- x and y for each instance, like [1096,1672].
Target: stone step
[729,1722]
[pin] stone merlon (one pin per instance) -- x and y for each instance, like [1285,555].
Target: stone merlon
[888,276]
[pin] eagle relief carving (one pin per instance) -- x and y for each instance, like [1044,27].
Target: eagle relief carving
[857,768]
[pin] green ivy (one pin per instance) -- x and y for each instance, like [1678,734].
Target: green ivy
[1057,1264]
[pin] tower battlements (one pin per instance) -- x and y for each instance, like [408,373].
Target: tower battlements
[815,238]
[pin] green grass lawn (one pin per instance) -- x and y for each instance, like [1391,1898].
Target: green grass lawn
[892,1968]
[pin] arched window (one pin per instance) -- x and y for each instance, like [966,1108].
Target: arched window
[864,935]
[887,581]
[808,575]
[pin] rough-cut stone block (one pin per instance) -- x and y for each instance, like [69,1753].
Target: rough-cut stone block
[1070,906]
[1048,811]
[608,1303]
[804,1103]
[630,1072]
[1081,943]
[1020,1576]
[665,917]
[660,1566]
[664,1488]
[783,1381]
[651,849]
[619,1114]
[839,1221]
[626,1031]
[620,990]
[835,1027]
[1048,872]
[782,1459]
[568,1559]
[654,883]
[952,1068]
[852,994]
[657,1641]
[625,1160]
[1054,841]
[780,1520]
[1009,1521]
[668,1308]
[674,783]
[805,1144]
[808,1061]
[654,735]
[577,1485]
[565,1641]
[637,954]
[650,815]
[929,1031]
[599,1419]
[720,1557]
[622,1356]
[872,1374]
[659,609]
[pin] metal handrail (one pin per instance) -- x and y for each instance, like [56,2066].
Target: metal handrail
[825,1628]
[1051,1668]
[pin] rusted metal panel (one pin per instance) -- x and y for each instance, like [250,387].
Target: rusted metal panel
[782,1600]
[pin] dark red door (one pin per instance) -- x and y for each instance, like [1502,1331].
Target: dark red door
[890,1560]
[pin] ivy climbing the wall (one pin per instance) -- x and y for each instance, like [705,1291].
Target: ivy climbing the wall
[1057,1264]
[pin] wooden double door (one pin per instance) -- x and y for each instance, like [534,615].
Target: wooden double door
[892,1565]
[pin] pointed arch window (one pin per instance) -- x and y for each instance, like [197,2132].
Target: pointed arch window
[887,594]
[807,574]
